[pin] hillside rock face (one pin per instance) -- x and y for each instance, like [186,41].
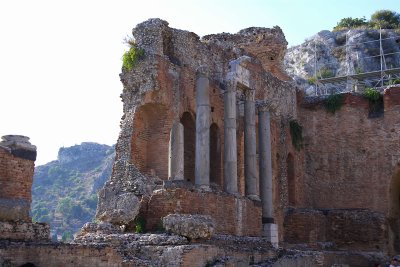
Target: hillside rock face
[328,52]
[64,191]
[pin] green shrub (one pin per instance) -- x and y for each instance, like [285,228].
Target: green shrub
[325,73]
[140,224]
[296,132]
[334,102]
[132,57]
[385,19]
[394,81]
[312,80]
[375,100]
[350,23]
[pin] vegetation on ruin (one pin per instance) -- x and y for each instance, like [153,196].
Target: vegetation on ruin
[140,225]
[325,73]
[375,100]
[312,80]
[296,133]
[131,57]
[385,19]
[333,102]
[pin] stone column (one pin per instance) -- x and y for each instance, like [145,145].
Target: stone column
[202,161]
[250,160]
[230,147]
[270,229]
[176,152]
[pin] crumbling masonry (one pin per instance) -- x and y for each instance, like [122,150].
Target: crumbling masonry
[205,152]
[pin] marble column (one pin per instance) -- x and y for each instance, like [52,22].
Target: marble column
[270,229]
[202,160]
[176,152]
[250,158]
[230,147]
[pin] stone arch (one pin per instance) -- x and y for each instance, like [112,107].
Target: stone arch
[189,137]
[291,180]
[215,155]
[394,213]
[150,140]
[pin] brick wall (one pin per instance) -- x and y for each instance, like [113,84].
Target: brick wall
[232,215]
[345,229]
[61,255]
[16,176]
[348,157]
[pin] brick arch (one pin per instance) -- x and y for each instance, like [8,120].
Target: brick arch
[150,139]
[189,136]
[394,212]
[215,155]
[291,180]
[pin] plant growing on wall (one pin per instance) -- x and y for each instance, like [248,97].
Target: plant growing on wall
[296,132]
[132,57]
[375,100]
[140,225]
[333,103]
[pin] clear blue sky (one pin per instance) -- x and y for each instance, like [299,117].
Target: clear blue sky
[60,60]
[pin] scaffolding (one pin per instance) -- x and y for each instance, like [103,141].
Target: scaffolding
[356,79]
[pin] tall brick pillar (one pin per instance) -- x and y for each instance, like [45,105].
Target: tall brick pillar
[17,162]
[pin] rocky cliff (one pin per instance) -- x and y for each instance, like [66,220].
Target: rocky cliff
[328,54]
[64,191]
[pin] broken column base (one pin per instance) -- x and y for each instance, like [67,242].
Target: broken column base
[270,231]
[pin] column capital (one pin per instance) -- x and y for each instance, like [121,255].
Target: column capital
[265,105]
[202,71]
[249,94]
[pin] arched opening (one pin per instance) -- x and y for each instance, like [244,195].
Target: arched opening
[215,155]
[291,180]
[150,140]
[28,264]
[189,136]
[394,214]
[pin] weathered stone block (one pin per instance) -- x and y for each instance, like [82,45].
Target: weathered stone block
[191,226]
[119,207]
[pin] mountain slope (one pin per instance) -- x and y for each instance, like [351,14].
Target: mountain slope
[64,191]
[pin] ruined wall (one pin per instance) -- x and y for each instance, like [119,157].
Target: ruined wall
[349,157]
[160,90]
[349,161]
[332,229]
[17,254]
[17,157]
[232,215]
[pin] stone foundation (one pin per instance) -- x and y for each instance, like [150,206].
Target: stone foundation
[232,214]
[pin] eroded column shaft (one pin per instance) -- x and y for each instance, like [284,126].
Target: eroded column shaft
[176,152]
[250,160]
[264,138]
[202,163]
[230,147]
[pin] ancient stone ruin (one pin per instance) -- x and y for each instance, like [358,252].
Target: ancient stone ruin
[221,160]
